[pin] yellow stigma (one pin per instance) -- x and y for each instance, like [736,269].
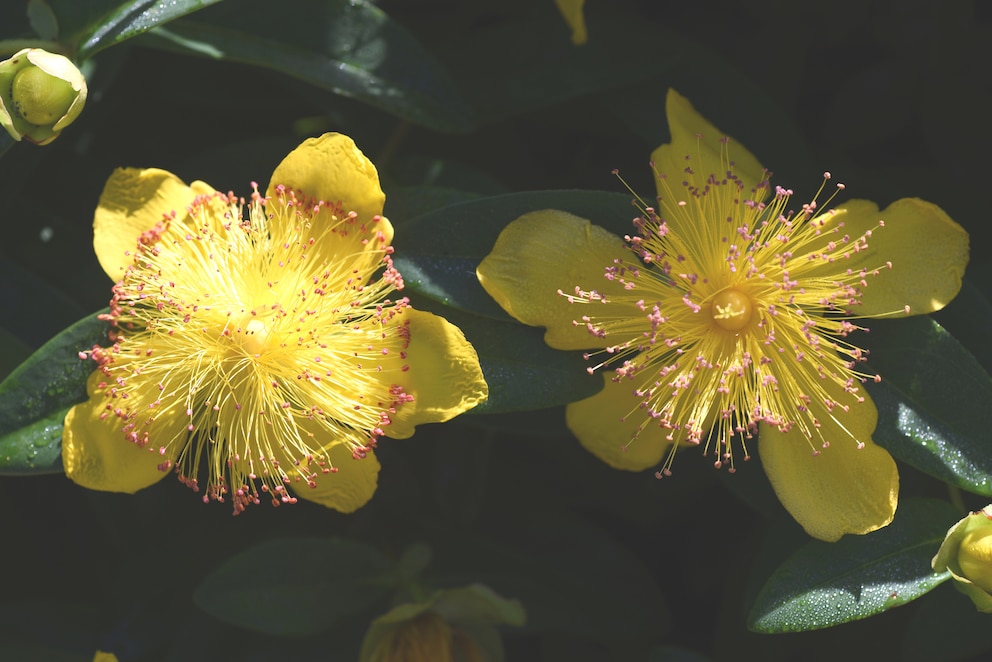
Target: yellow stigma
[254,336]
[731,310]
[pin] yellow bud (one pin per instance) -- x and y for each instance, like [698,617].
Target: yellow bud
[41,93]
[975,557]
[423,638]
[966,554]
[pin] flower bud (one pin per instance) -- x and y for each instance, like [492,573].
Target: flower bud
[41,93]
[967,554]
[452,624]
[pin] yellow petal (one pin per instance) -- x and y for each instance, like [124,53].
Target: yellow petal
[333,169]
[95,453]
[571,11]
[843,489]
[443,375]
[546,251]
[693,136]
[134,201]
[928,252]
[606,422]
[347,490]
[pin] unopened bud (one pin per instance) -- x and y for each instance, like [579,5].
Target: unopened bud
[41,93]
[966,554]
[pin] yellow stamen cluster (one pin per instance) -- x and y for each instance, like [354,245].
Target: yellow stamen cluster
[747,308]
[240,320]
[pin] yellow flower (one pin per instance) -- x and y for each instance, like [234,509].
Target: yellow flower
[260,351]
[41,93]
[967,554]
[726,315]
[452,625]
[571,11]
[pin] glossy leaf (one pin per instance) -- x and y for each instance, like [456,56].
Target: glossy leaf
[934,402]
[437,253]
[35,397]
[296,586]
[93,25]
[523,373]
[349,47]
[826,584]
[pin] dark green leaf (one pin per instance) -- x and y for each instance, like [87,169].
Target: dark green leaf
[409,202]
[969,319]
[97,24]
[509,67]
[35,397]
[934,402]
[826,584]
[566,572]
[296,586]
[437,253]
[34,310]
[43,20]
[348,47]
[523,373]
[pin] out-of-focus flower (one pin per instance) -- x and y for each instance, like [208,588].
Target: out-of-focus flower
[967,554]
[726,313]
[571,11]
[454,625]
[259,349]
[41,93]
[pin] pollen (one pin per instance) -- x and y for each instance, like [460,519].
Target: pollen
[748,311]
[267,346]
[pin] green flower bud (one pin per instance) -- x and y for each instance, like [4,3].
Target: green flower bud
[41,93]
[967,554]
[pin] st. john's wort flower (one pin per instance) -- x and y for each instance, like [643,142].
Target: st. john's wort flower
[261,350]
[726,314]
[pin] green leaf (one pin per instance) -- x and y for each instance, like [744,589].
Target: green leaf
[523,373]
[43,20]
[296,586]
[349,47]
[969,319]
[437,253]
[97,24]
[566,572]
[525,62]
[934,402]
[826,584]
[35,397]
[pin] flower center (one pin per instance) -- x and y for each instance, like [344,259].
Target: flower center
[253,336]
[731,309]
